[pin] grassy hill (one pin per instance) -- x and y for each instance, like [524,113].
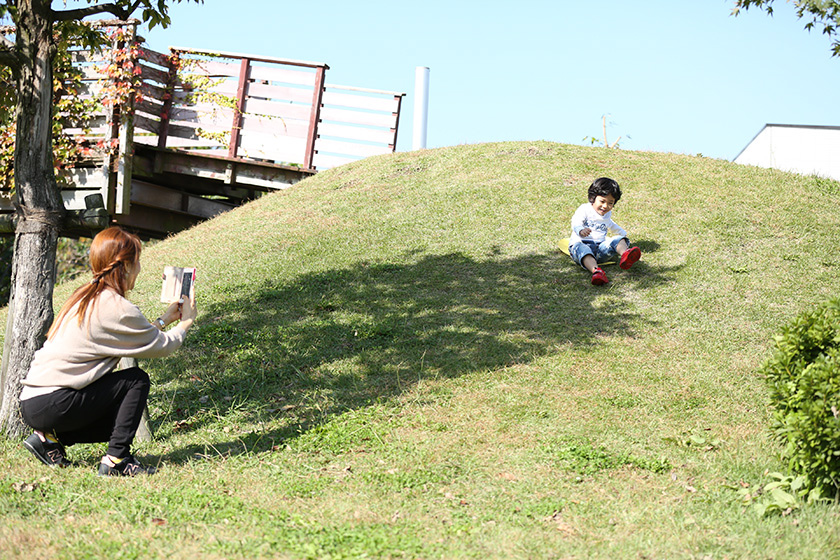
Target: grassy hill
[393,359]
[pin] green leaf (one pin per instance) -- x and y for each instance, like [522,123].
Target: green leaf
[698,440]
[782,499]
[761,508]
[797,483]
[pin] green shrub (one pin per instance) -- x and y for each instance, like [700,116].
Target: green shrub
[804,379]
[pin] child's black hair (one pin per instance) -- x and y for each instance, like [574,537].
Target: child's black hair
[602,187]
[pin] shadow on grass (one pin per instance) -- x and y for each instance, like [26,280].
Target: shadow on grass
[328,342]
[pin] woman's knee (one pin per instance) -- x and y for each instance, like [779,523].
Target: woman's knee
[134,375]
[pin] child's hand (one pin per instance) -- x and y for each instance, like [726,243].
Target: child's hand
[585,232]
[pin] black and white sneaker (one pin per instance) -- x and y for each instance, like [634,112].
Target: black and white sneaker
[48,452]
[126,467]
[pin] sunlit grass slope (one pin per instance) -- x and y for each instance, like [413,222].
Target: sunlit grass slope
[393,359]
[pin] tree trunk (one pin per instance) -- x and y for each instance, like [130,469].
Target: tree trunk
[40,210]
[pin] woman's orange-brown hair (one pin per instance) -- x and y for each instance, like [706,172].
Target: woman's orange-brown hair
[110,252]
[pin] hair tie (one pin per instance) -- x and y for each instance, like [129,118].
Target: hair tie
[95,281]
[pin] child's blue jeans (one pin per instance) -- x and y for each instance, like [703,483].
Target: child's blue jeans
[601,252]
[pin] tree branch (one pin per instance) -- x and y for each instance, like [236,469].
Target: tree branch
[5,43]
[9,56]
[113,8]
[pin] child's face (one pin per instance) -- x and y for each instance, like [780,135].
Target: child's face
[603,204]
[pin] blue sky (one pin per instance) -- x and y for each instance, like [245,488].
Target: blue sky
[684,77]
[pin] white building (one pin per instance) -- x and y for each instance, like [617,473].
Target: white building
[809,150]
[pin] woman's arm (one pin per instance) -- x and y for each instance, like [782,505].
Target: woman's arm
[118,328]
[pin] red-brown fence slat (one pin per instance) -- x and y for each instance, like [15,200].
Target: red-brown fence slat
[144,123]
[155,74]
[154,57]
[152,91]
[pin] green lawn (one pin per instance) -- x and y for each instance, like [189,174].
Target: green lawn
[393,359]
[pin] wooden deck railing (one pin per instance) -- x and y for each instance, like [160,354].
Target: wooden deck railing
[261,108]
[209,130]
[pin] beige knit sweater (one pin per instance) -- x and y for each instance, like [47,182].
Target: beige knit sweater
[77,355]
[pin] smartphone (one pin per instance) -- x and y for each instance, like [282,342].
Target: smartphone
[177,282]
[186,284]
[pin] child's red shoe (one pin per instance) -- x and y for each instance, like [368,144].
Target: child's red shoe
[599,278]
[629,257]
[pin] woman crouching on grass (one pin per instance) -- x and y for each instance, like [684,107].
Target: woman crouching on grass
[72,393]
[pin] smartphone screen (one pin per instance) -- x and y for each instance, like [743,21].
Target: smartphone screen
[187,284]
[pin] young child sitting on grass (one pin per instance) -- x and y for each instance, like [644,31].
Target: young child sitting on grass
[597,239]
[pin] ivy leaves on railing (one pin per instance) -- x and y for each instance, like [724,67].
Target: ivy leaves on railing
[70,110]
[203,90]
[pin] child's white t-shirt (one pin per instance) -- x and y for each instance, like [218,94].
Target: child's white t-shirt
[602,226]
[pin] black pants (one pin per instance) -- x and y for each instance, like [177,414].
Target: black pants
[109,409]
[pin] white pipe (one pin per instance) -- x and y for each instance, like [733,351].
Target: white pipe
[421,107]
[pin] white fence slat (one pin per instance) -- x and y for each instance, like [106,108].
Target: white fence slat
[279,93]
[377,135]
[282,75]
[324,161]
[349,148]
[90,89]
[222,87]
[91,72]
[274,148]
[75,199]
[210,68]
[178,142]
[357,117]
[203,116]
[274,125]
[287,111]
[86,178]
[387,105]
[79,57]
[190,128]
[100,130]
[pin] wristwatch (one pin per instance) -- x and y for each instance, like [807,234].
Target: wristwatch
[160,323]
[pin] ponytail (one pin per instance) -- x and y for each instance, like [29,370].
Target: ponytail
[110,252]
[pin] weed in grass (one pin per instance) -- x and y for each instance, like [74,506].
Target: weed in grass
[425,478]
[825,186]
[585,458]
[352,430]
[692,439]
[625,400]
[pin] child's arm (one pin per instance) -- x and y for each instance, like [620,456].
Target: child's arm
[578,223]
[615,230]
